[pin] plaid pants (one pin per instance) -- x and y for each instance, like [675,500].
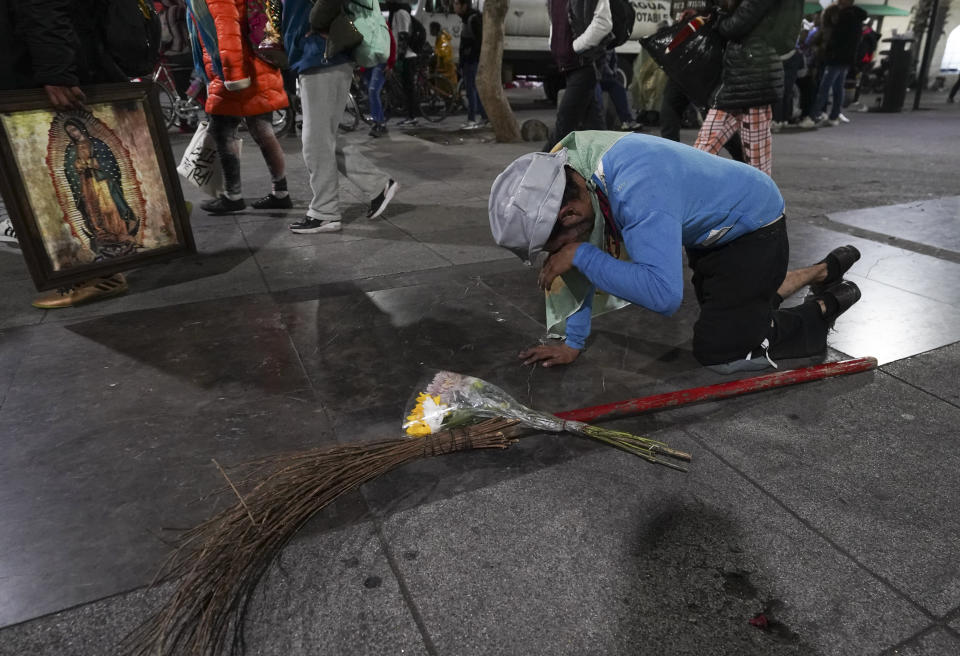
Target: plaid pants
[754,127]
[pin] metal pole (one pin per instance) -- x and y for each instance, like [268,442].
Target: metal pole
[927,53]
[638,406]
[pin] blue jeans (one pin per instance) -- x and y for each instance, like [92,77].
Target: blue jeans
[834,76]
[470,85]
[375,80]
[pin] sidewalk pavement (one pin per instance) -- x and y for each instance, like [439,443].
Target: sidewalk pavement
[828,508]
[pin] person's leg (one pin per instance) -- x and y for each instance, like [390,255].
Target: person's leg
[408,73]
[791,67]
[348,159]
[757,141]
[839,81]
[322,106]
[734,146]
[374,88]
[953,90]
[717,128]
[578,106]
[826,272]
[823,90]
[808,94]
[618,95]
[261,129]
[672,106]
[736,288]
[223,130]
[470,86]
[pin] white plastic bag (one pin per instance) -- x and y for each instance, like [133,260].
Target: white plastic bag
[200,165]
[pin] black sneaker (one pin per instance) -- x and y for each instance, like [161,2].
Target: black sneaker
[378,204]
[221,205]
[271,202]
[310,226]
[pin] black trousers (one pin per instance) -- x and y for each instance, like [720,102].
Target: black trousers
[578,109]
[736,286]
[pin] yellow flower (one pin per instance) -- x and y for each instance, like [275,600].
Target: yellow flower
[426,417]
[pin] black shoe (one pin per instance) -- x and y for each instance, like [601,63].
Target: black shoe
[378,130]
[838,298]
[378,204]
[271,202]
[838,262]
[309,226]
[221,205]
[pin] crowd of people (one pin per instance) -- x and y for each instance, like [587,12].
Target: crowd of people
[551,207]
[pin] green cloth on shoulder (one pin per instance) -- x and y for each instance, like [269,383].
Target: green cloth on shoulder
[569,291]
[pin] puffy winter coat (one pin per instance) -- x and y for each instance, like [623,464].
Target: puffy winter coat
[249,85]
[752,64]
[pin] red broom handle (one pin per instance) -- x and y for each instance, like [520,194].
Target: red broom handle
[638,406]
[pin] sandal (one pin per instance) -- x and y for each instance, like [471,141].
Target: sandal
[838,262]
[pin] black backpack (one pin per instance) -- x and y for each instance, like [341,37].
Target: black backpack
[624,19]
[129,36]
[418,35]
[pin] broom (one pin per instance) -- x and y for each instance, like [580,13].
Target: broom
[221,561]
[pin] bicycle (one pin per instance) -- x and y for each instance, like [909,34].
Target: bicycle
[184,111]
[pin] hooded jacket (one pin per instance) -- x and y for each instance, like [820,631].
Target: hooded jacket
[758,34]
[243,84]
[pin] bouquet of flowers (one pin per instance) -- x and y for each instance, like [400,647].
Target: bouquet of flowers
[220,562]
[449,400]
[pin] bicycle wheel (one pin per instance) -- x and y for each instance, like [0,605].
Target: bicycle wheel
[168,105]
[351,115]
[446,90]
[432,106]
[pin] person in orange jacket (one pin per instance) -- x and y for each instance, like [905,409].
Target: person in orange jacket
[241,87]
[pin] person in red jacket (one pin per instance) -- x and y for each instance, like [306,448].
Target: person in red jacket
[242,87]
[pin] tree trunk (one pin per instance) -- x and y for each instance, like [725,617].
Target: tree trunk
[489,83]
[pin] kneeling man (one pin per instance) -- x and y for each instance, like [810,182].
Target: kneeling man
[611,211]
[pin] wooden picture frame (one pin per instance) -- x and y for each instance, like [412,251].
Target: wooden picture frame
[91,192]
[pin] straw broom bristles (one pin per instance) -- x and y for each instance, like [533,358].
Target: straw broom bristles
[220,562]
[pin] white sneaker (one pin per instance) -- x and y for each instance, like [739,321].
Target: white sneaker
[776,126]
[807,123]
[829,122]
[469,125]
[7,233]
[843,119]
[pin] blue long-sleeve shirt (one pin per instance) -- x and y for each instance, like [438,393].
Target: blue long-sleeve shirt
[664,196]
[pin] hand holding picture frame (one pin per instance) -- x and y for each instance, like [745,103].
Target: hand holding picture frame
[91,192]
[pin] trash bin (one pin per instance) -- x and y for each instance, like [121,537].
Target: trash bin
[899,63]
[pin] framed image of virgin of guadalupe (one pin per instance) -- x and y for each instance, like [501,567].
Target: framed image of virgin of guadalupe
[90,192]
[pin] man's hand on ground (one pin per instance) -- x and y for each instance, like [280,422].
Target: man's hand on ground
[64,98]
[557,264]
[549,354]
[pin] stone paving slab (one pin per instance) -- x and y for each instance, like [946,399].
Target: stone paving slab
[604,553]
[330,593]
[932,222]
[935,372]
[852,458]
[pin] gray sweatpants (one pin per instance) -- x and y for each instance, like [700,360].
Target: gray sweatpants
[323,93]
